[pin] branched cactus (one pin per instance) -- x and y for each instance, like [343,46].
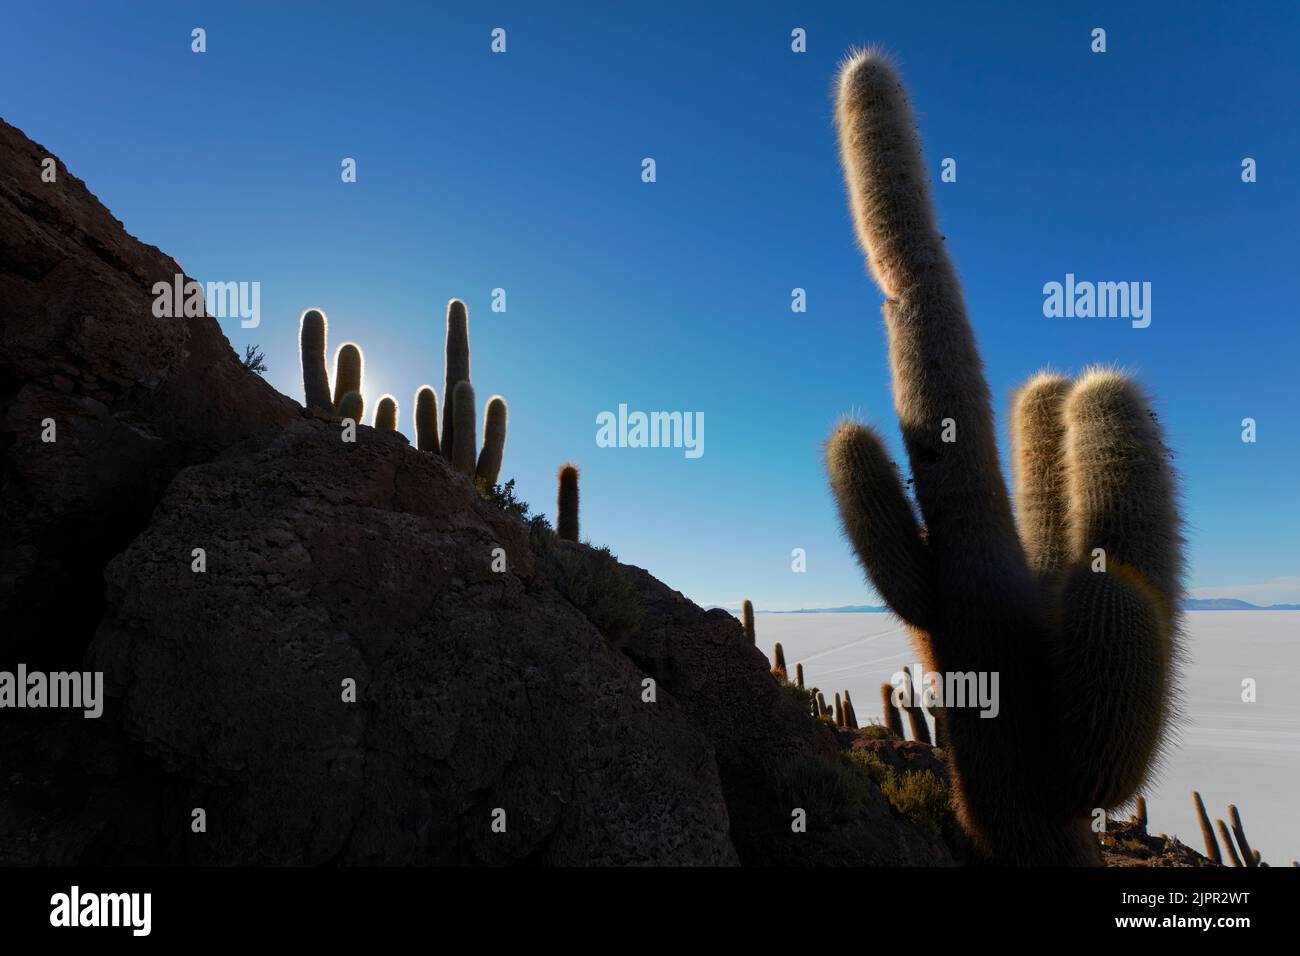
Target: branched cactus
[426,419]
[464,435]
[494,441]
[386,414]
[566,506]
[311,346]
[1093,484]
[747,621]
[893,720]
[1207,831]
[457,371]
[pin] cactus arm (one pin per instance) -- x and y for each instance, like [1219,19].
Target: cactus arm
[464,434]
[347,372]
[1037,453]
[386,414]
[457,370]
[878,520]
[494,440]
[426,419]
[311,347]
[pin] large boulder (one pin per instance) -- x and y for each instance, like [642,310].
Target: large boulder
[133,399]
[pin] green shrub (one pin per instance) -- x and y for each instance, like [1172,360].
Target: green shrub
[593,581]
[875,731]
[923,800]
[869,762]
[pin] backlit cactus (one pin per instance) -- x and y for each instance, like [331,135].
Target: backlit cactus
[566,505]
[386,414]
[347,372]
[426,420]
[915,713]
[311,347]
[457,370]
[494,441]
[1085,593]
[464,435]
[353,407]
[747,621]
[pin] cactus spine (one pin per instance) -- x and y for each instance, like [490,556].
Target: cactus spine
[386,414]
[747,620]
[566,505]
[457,371]
[892,718]
[311,347]
[494,441]
[347,372]
[979,594]
[1207,831]
[426,419]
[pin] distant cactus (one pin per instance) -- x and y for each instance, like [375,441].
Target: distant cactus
[778,662]
[747,621]
[1227,842]
[353,406]
[798,676]
[457,370]
[347,372]
[821,705]
[494,441]
[839,711]
[426,419]
[850,716]
[311,347]
[1207,831]
[464,434]
[386,414]
[566,506]
[893,720]
[1140,812]
[1247,855]
[978,596]
[915,713]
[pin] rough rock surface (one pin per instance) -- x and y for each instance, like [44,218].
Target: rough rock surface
[329,561]
[134,398]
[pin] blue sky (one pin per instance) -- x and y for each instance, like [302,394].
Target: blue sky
[523,171]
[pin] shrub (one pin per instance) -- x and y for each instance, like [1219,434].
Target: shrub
[593,581]
[923,800]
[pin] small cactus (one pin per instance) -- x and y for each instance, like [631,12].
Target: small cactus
[494,441]
[798,676]
[839,711]
[1227,842]
[457,371]
[386,414]
[347,372]
[353,406]
[426,419]
[1207,831]
[747,619]
[464,434]
[566,505]
[916,714]
[311,347]
[892,718]
[850,716]
[778,661]
[1240,833]
[1140,812]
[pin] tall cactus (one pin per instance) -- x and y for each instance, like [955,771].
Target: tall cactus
[1207,831]
[347,372]
[978,595]
[1247,855]
[892,718]
[463,435]
[747,621]
[426,419]
[1227,842]
[494,441]
[386,414]
[915,712]
[798,676]
[566,505]
[457,370]
[311,347]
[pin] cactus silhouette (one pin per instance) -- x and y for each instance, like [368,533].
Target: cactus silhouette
[893,720]
[747,621]
[1083,595]
[798,676]
[457,370]
[778,661]
[386,414]
[347,372]
[1226,837]
[1140,812]
[915,713]
[566,506]
[426,419]
[311,347]
[1247,855]
[850,716]
[494,441]
[1207,831]
[821,705]
[353,406]
[839,710]
[463,434]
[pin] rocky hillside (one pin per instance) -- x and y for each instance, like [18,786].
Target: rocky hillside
[350,679]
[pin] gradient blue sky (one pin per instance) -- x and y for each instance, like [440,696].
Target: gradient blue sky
[522,171]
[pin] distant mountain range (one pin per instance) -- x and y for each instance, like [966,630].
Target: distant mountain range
[1191,604]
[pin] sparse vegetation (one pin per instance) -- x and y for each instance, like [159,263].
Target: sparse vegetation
[254,359]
